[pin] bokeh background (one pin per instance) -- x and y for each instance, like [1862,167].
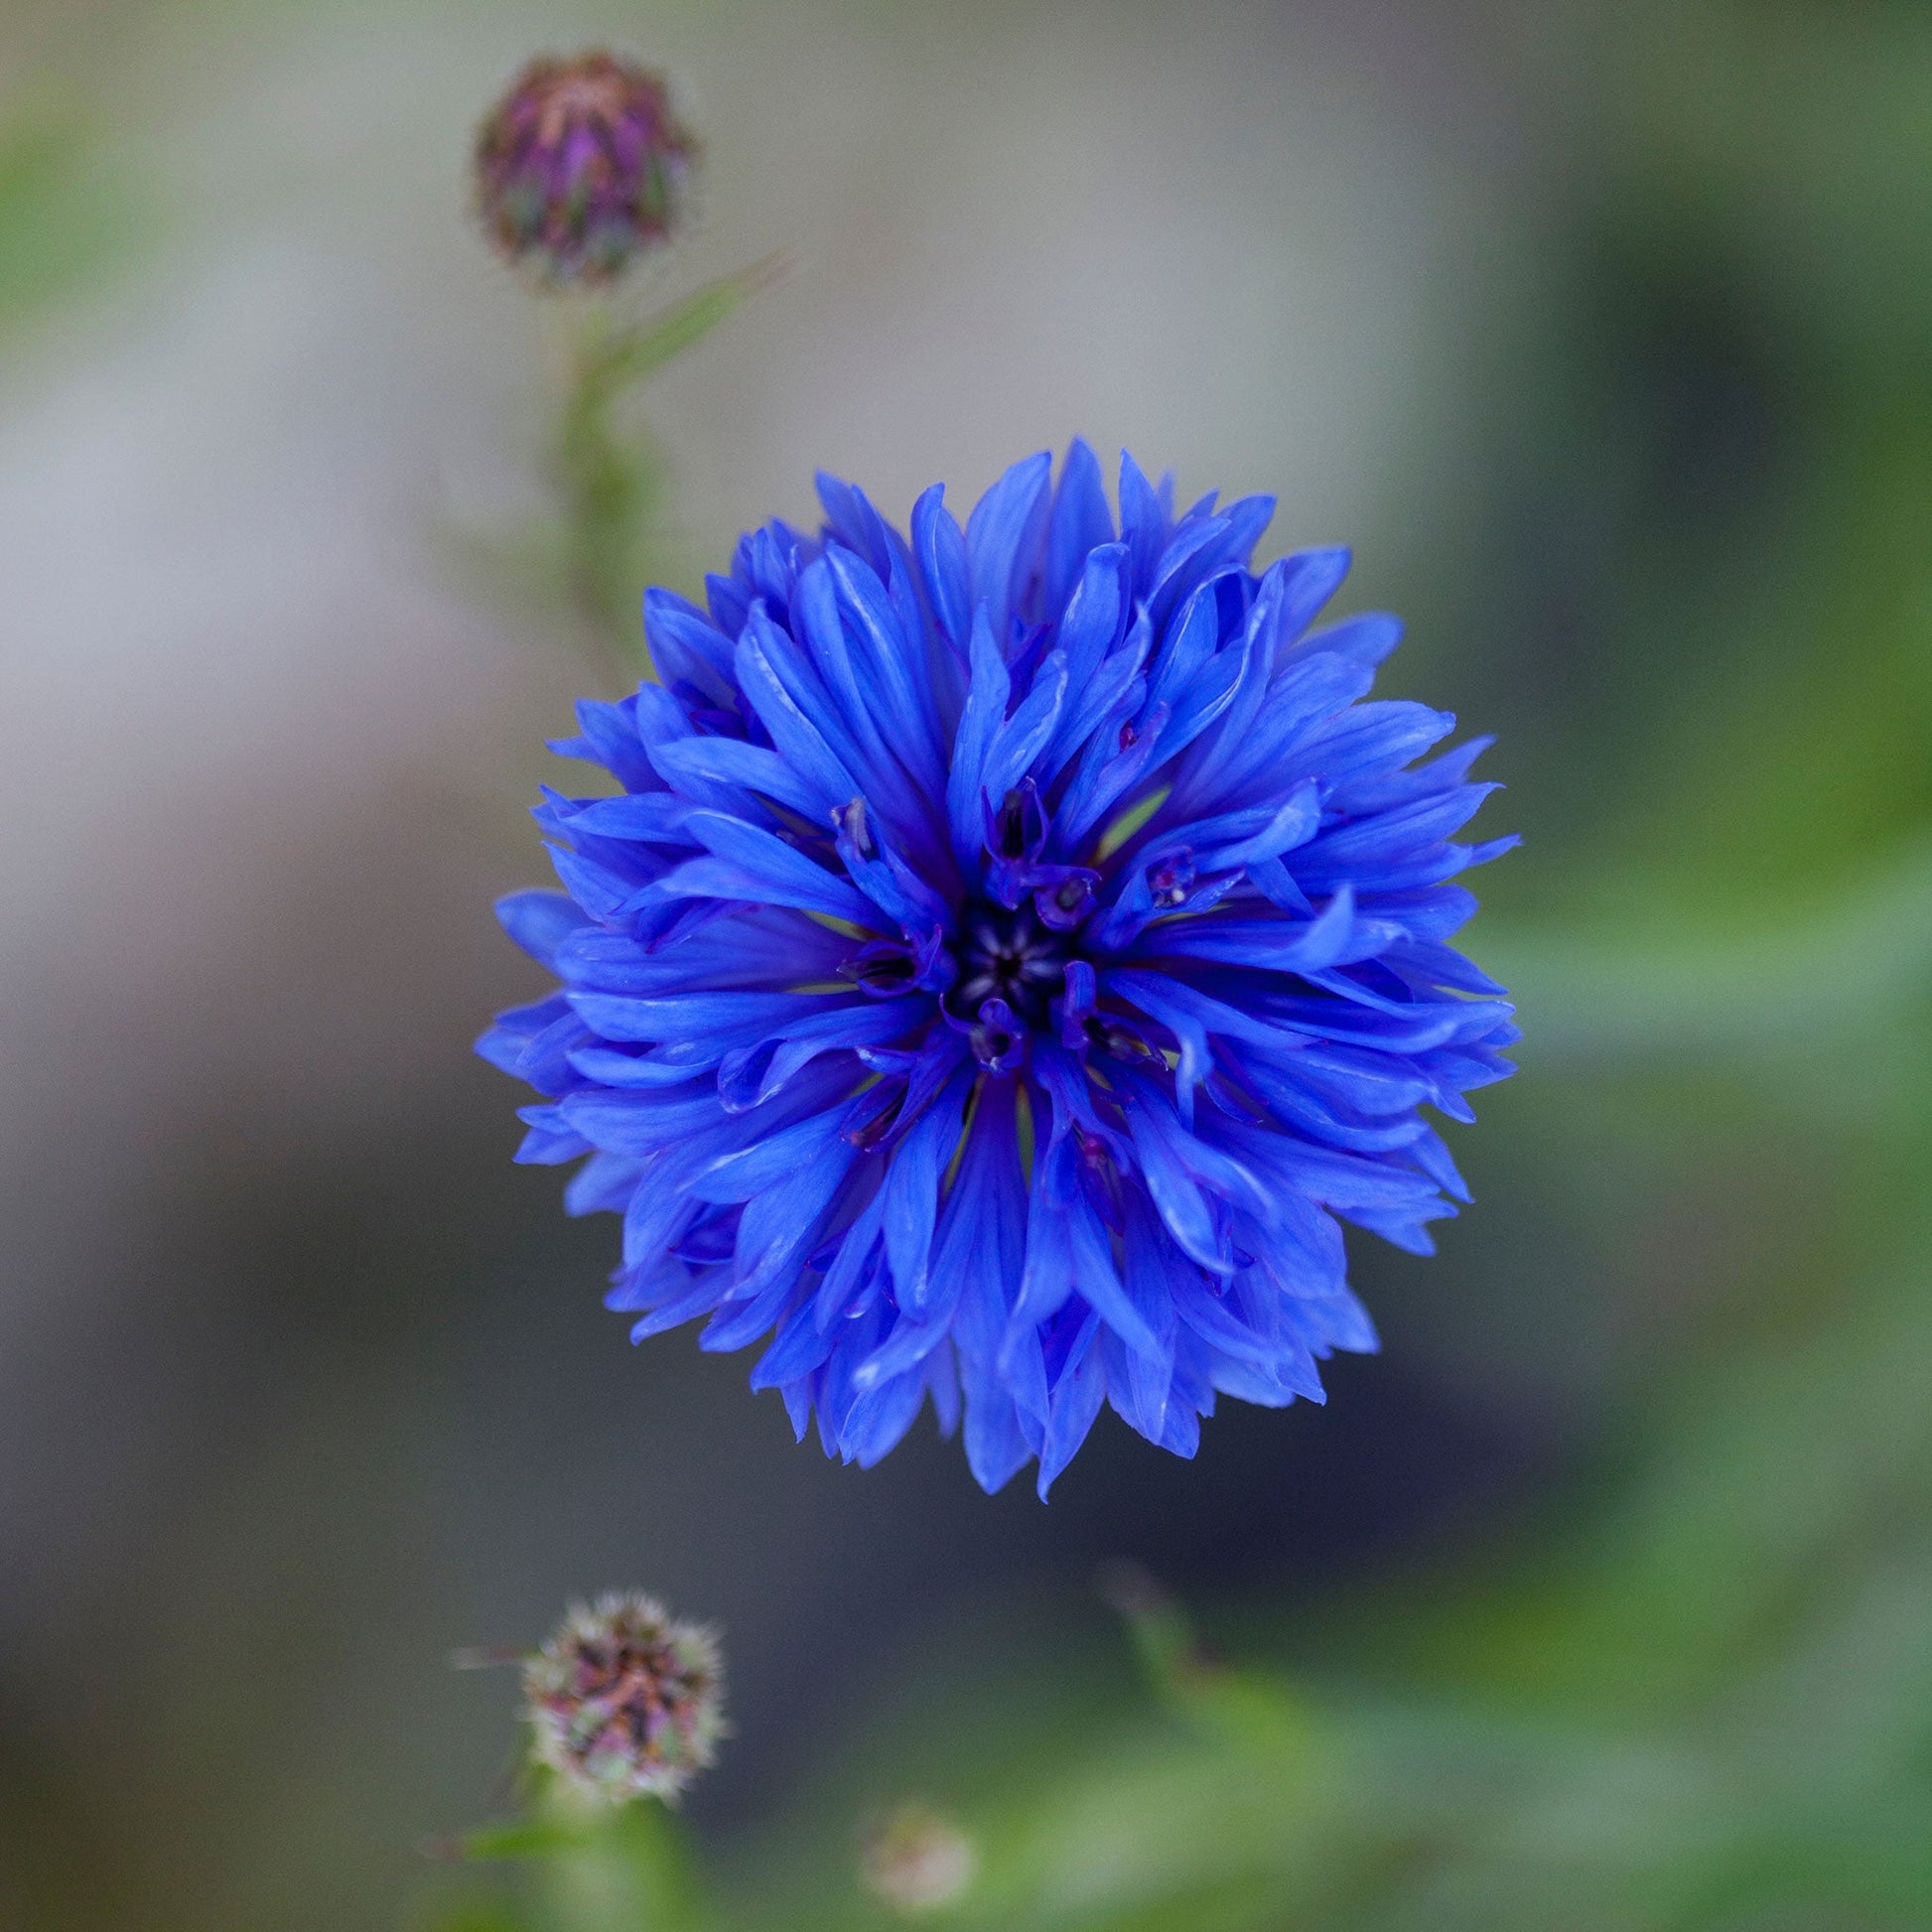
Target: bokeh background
[1603,1597]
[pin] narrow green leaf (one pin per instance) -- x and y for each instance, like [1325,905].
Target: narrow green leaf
[627,355]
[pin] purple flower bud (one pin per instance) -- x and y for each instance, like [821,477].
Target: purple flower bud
[583,167]
[624,1700]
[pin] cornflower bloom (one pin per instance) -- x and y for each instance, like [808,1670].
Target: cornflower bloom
[1012,953]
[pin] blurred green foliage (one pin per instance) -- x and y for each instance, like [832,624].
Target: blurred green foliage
[66,217]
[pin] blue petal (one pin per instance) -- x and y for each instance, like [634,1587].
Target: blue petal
[1371,739]
[1025,734]
[854,521]
[1003,535]
[668,1290]
[610,736]
[1336,936]
[1304,695]
[1068,1252]
[906,716]
[1184,649]
[1182,1172]
[545,1146]
[729,602]
[1366,638]
[655,817]
[799,1349]
[941,551]
[539,921]
[879,1420]
[1391,834]
[800,740]
[772,1159]
[1097,612]
[731,761]
[782,1225]
[1140,1385]
[1080,524]
[603,1184]
[1077,1396]
[1377,792]
[639,1123]
[750,862]
[1113,692]
[656,1018]
[1308,580]
[684,644]
[1143,521]
[611,1067]
[979,725]
[763,947]
[602,897]
[750,1075]
[912,1192]
[842,1283]
[660,722]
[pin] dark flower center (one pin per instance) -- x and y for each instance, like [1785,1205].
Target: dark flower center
[1009,956]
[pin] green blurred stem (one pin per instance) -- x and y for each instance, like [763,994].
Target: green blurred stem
[1245,1709]
[611,470]
[610,492]
[625,1866]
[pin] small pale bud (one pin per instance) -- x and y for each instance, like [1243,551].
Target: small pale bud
[625,1701]
[915,1860]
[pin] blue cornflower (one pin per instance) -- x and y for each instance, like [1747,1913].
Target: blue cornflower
[1008,956]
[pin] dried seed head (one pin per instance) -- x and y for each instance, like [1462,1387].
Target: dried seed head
[624,1700]
[582,167]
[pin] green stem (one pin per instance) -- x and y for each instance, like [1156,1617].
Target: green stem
[612,472]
